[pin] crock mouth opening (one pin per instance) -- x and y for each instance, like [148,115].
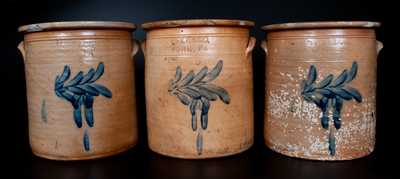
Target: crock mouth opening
[197,23]
[71,25]
[321,25]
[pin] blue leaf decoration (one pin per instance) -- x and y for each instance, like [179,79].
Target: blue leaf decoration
[68,96]
[82,100]
[337,122]
[353,92]
[324,92]
[214,73]
[199,143]
[192,107]
[187,79]
[340,79]
[309,88]
[178,75]
[102,90]
[204,121]
[192,92]
[183,98]
[338,104]
[333,92]
[312,75]
[332,144]
[353,72]
[89,101]
[78,117]
[59,94]
[308,98]
[325,122]
[57,80]
[88,76]
[221,92]
[316,99]
[195,91]
[200,75]
[205,92]
[323,104]
[194,122]
[79,91]
[205,105]
[65,75]
[204,112]
[76,90]
[76,102]
[86,142]
[89,89]
[75,80]
[99,72]
[89,110]
[340,92]
[325,82]
[89,116]
[57,85]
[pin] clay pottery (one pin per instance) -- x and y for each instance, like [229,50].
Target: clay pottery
[320,89]
[80,88]
[199,88]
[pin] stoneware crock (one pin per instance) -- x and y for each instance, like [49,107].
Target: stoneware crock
[199,88]
[320,89]
[80,88]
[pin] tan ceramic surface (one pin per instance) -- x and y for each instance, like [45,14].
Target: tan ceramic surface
[56,136]
[230,126]
[197,23]
[292,125]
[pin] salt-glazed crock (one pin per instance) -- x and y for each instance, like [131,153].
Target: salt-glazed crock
[199,88]
[320,89]
[80,88]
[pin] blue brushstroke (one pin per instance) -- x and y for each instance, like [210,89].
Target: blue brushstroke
[199,143]
[332,143]
[89,110]
[89,116]
[86,142]
[43,111]
[78,117]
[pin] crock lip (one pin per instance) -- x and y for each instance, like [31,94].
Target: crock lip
[67,25]
[196,23]
[321,25]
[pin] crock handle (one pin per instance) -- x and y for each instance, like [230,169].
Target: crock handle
[264,46]
[379,46]
[250,46]
[135,47]
[21,48]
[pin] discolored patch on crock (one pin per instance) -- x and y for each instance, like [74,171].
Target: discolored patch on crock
[293,125]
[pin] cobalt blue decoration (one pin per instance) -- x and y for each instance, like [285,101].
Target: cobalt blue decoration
[86,142]
[330,94]
[80,92]
[196,92]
